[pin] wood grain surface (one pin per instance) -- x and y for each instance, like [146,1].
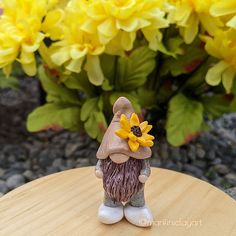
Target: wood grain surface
[66,203]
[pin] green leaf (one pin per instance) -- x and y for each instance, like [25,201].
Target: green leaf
[106,86]
[88,108]
[161,47]
[54,116]
[102,125]
[197,79]
[132,97]
[173,44]
[233,105]
[96,125]
[91,113]
[8,82]
[184,121]
[80,81]
[216,105]
[147,98]
[91,126]
[134,69]
[108,66]
[192,56]
[56,91]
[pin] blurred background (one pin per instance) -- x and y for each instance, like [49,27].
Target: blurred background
[26,156]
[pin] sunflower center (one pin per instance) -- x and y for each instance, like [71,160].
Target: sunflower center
[136,131]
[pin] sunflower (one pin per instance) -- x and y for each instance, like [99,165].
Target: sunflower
[135,132]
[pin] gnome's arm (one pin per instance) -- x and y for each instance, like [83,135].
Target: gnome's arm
[145,171]
[98,169]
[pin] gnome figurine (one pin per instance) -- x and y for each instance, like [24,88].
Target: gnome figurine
[124,167]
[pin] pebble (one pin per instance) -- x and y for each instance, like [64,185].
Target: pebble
[2,172]
[175,154]
[231,192]
[193,170]
[58,163]
[155,161]
[221,169]
[218,181]
[200,152]
[44,158]
[216,161]
[71,148]
[211,155]
[52,170]
[28,174]
[15,181]
[200,164]
[231,178]
[81,162]
[192,152]
[3,187]
[70,163]
[211,174]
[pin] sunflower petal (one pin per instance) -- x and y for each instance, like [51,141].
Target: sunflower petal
[134,120]
[148,128]
[148,137]
[143,125]
[132,137]
[149,143]
[124,123]
[133,145]
[141,141]
[122,133]
[145,143]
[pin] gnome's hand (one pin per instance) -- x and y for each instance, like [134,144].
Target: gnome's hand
[142,178]
[99,174]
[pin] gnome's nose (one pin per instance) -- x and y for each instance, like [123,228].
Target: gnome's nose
[119,158]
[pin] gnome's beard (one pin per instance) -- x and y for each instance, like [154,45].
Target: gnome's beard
[120,181]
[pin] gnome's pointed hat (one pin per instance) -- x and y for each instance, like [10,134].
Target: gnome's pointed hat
[111,143]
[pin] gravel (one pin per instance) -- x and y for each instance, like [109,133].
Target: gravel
[231,192]
[25,156]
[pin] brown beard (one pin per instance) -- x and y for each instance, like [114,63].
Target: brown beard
[120,181]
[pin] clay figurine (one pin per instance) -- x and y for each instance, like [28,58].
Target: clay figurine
[124,167]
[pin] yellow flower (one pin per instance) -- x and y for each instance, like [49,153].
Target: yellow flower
[23,26]
[57,3]
[115,20]
[223,47]
[225,8]
[135,132]
[78,46]
[188,14]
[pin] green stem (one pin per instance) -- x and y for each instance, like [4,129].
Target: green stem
[115,75]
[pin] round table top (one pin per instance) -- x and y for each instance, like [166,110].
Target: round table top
[66,203]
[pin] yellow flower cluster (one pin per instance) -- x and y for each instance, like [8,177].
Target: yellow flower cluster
[218,21]
[188,14]
[23,26]
[97,26]
[81,30]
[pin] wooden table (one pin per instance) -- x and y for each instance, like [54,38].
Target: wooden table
[66,203]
